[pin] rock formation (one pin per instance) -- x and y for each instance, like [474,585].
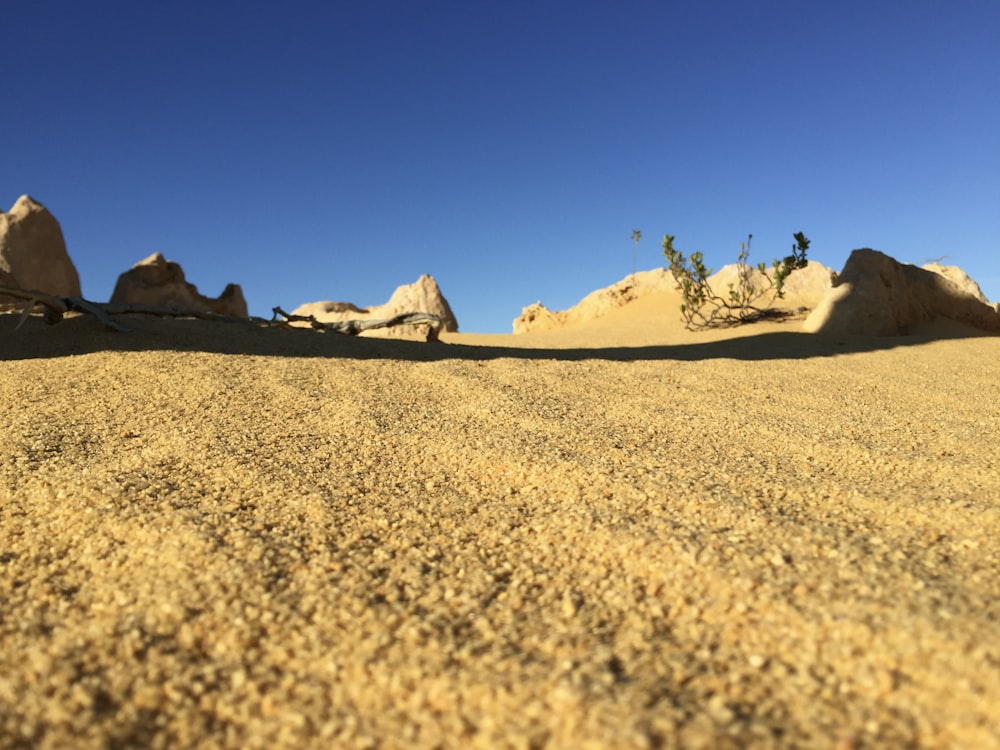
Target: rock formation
[879,296]
[538,317]
[423,295]
[957,276]
[805,286]
[158,282]
[33,252]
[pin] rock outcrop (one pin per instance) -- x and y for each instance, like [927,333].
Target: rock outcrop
[805,286]
[158,282]
[33,251]
[957,276]
[423,295]
[538,317]
[877,295]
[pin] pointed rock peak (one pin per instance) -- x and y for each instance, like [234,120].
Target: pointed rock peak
[26,205]
[156,259]
[33,250]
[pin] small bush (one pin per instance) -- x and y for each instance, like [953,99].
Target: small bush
[746,301]
[636,236]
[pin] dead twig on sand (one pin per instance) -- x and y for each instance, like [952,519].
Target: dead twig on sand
[56,307]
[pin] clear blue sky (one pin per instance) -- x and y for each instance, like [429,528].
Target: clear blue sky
[334,150]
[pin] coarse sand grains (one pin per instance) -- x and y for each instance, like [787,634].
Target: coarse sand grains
[265,539]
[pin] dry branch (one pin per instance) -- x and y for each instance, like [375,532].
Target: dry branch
[354,327]
[56,307]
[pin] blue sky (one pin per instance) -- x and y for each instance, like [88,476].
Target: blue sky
[335,150]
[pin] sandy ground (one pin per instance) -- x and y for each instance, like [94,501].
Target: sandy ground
[622,535]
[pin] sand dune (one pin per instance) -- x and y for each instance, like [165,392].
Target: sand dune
[616,535]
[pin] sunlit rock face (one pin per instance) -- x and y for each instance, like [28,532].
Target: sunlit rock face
[878,296]
[33,251]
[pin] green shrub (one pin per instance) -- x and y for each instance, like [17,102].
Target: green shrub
[746,301]
[636,236]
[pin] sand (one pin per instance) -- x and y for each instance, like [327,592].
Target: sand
[621,535]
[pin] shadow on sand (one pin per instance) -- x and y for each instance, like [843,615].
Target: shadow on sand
[85,335]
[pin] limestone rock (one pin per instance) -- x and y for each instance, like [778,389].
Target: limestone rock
[876,295]
[33,251]
[158,282]
[423,295]
[324,311]
[538,317]
[957,276]
[805,286]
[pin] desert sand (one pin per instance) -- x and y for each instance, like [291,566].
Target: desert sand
[622,534]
